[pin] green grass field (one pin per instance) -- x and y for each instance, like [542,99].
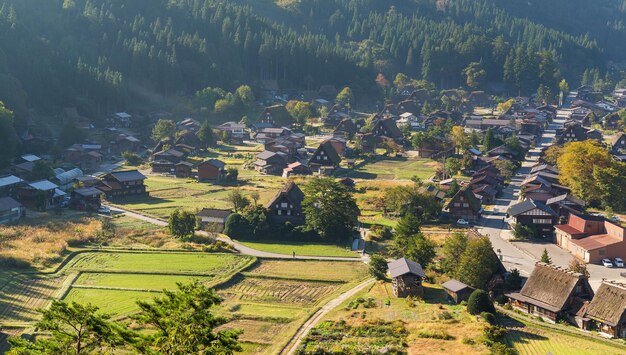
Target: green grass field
[114,302]
[387,168]
[303,249]
[171,263]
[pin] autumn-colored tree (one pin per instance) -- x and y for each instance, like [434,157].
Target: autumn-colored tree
[459,138]
[577,164]
[552,154]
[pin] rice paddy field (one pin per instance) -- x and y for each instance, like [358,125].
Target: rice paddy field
[303,249]
[400,168]
[268,299]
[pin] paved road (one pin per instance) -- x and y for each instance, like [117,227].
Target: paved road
[238,246]
[293,344]
[523,255]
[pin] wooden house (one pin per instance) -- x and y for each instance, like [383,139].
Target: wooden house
[122,184]
[406,278]
[276,115]
[325,156]
[213,219]
[465,205]
[183,169]
[552,293]
[10,210]
[618,143]
[530,212]
[9,184]
[270,162]
[286,205]
[41,195]
[211,170]
[457,291]
[606,312]
[86,197]
[387,127]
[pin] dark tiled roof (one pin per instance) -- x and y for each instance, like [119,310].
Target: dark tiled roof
[214,162]
[128,175]
[528,205]
[404,266]
[213,212]
[455,285]
[7,203]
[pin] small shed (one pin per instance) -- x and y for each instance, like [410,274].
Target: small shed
[457,291]
[183,169]
[214,218]
[406,278]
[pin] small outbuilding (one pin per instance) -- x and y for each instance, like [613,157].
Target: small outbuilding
[213,218]
[406,278]
[457,291]
[183,169]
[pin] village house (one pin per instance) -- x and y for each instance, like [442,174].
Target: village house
[270,162]
[552,293]
[296,168]
[387,127]
[534,213]
[325,156]
[565,204]
[40,195]
[183,170]
[406,278]
[591,238]
[234,130]
[125,143]
[457,291]
[122,184]
[286,205]
[276,115]
[464,205]
[10,210]
[618,144]
[188,124]
[606,312]
[86,197]
[123,119]
[9,184]
[211,170]
[171,155]
[213,219]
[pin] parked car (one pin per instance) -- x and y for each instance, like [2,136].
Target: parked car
[607,263]
[618,262]
[104,210]
[462,222]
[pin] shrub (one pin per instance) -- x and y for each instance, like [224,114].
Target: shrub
[494,333]
[378,267]
[435,334]
[489,317]
[445,315]
[468,341]
[479,302]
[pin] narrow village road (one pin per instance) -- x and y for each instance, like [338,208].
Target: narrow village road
[238,246]
[314,320]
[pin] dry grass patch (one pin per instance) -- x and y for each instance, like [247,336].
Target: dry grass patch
[256,331]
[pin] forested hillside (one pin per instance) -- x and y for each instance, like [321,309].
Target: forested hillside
[106,55]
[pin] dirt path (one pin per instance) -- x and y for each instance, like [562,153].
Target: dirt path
[294,343]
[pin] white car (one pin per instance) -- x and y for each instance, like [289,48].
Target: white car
[104,210]
[619,262]
[607,263]
[462,222]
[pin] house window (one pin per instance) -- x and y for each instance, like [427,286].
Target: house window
[456,204]
[279,212]
[542,221]
[325,158]
[466,205]
[283,205]
[288,212]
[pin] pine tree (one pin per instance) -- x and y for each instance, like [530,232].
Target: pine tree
[545,258]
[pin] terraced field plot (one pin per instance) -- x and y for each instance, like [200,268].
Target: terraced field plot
[395,169]
[21,296]
[258,332]
[167,263]
[114,302]
[135,281]
[529,341]
[267,290]
[312,269]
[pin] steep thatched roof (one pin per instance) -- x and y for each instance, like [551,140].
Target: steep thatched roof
[551,285]
[609,303]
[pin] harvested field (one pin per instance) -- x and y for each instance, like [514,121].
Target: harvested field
[267,290]
[314,270]
[21,296]
[256,331]
[168,263]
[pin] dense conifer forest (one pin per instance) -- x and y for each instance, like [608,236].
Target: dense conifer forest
[106,55]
